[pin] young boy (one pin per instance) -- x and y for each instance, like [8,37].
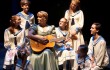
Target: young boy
[27,20]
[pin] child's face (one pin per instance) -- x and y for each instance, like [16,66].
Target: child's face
[25,7]
[73,4]
[17,20]
[81,52]
[93,29]
[62,22]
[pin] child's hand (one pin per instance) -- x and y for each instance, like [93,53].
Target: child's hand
[93,65]
[67,39]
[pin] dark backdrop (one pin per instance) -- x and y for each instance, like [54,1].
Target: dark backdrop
[94,11]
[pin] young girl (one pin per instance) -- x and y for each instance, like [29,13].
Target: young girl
[62,32]
[63,49]
[97,48]
[13,39]
[75,17]
[82,58]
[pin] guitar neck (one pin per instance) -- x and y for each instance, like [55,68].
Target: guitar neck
[57,39]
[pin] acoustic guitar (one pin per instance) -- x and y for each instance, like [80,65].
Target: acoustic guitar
[38,47]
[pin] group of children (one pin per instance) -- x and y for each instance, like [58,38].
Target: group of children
[21,56]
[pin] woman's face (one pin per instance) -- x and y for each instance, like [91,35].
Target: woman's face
[41,20]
